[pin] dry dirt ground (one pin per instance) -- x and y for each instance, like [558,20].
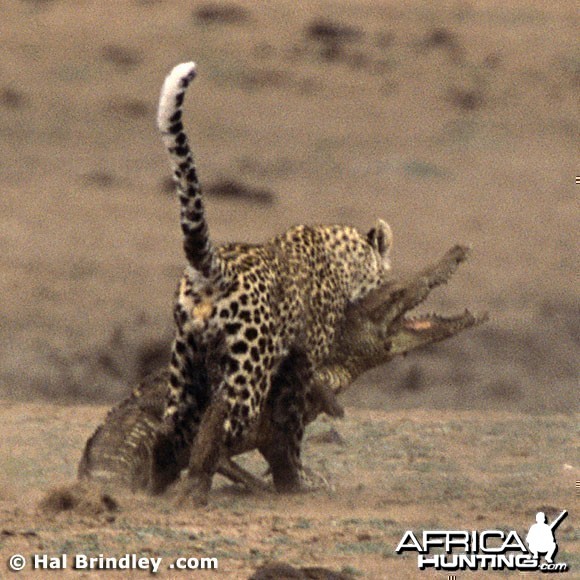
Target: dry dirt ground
[391,471]
[455,121]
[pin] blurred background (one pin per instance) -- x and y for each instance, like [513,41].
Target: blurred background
[456,121]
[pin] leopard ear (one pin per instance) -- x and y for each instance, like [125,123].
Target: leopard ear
[381,238]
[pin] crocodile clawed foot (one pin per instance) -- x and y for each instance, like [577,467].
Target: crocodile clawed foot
[311,480]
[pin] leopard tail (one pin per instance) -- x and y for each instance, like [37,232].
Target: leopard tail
[199,250]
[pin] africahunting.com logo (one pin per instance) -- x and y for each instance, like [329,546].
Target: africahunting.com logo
[487,550]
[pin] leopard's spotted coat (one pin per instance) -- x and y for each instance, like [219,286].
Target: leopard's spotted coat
[242,309]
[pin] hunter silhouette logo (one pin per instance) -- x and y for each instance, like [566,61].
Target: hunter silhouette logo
[540,538]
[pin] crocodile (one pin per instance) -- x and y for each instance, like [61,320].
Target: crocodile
[133,449]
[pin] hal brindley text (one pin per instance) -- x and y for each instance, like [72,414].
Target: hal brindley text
[124,562]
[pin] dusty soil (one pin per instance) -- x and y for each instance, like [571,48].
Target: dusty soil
[390,471]
[455,121]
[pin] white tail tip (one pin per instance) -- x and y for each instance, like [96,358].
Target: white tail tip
[176,82]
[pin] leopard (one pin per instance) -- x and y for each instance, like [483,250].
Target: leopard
[242,310]
[130,450]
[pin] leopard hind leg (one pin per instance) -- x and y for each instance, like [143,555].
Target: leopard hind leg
[281,448]
[207,453]
[228,422]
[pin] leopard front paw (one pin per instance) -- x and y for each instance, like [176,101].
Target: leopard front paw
[195,490]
